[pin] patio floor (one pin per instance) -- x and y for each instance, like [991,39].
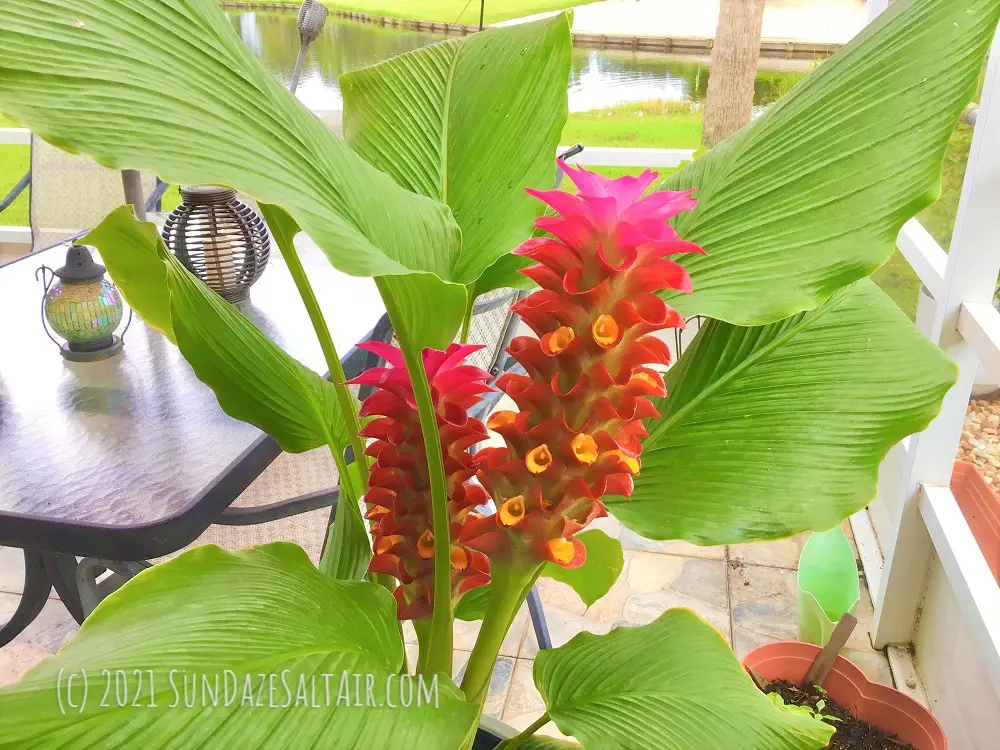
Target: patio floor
[747,592]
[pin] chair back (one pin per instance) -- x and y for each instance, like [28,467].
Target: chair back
[71,194]
[493,325]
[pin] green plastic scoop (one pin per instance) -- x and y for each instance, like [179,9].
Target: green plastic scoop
[828,585]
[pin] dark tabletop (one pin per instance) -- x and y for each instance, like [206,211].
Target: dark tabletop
[132,457]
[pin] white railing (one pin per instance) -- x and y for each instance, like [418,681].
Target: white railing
[925,516]
[15,137]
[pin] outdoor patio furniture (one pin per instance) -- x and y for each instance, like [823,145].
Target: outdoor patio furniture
[131,458]
[71,193]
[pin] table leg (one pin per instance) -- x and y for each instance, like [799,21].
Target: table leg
[36,591]
[61,570]
[90,569]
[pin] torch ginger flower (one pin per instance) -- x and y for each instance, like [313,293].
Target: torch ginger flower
[399,497]
[577,434]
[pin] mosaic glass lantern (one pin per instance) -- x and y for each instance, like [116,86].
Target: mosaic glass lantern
[219,239]
[83,307]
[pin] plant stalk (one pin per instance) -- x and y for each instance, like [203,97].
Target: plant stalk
[467,321]
[509,587]
[439,646]
[346,401]
[513,742]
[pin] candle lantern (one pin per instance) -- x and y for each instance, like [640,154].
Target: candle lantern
[82,306]
[219,239]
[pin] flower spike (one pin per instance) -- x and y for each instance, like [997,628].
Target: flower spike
[399,498]
[588,382]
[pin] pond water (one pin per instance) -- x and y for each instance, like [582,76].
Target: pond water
[599,78]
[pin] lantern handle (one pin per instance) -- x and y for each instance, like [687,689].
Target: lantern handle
[46,284]
[121,336]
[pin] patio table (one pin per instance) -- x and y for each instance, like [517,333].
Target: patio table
[132,458]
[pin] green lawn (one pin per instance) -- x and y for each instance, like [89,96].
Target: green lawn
[451,11]
[652,124]
[14,162]
[896,277]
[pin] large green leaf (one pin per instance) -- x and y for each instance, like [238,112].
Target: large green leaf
[255,613]
[773,430]
[811,195]
[470,122]
[253,378]
[671,684]
[166,85]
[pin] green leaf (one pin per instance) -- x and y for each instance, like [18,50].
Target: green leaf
[472,606]
[470,122]
[430,313]
[600,570]
[591,581]
[168,87]
[774,430]
[671,684]
[253,379]
[261,611]
[541,742]
[140,276]
[810,196]
[348,548]
[504,274]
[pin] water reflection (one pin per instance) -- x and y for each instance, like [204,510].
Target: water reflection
[599,78]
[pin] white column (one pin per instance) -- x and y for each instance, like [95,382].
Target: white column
[970,276]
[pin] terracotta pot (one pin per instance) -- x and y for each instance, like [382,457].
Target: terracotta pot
[879,705]
[981,507]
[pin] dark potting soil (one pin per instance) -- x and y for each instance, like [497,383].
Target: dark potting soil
[851,734]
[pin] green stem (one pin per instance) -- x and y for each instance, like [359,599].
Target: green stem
[508,589]
[423,630]
[439,646]
[346,401]
[347,494]
[467,320]
[512,742]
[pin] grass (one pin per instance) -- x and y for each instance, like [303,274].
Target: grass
[652,124]
[896,277]
[451,11]
[14,162]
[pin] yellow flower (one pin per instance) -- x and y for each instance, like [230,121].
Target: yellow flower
[425,545]
[631,462]
[501,419]
[584,448]
[562,550]
[560,339]
[605,330]
[538,459]
[512,511]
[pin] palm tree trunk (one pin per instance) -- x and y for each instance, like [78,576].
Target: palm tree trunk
[729,103]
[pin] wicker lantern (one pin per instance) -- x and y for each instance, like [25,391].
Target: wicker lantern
[219,239]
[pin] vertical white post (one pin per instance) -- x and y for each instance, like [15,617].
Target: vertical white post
[874,7]
[970,276]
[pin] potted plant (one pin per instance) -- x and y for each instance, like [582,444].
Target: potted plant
[771,235]
[882,706]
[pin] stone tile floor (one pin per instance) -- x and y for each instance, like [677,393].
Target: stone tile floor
[746,591]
